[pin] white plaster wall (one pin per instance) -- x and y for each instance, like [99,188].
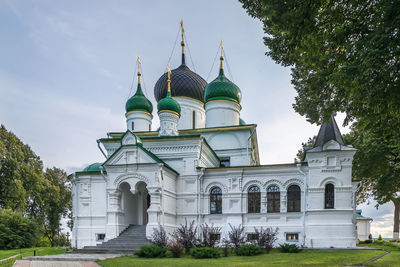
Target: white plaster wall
[142,121]
[363,229]
[188,106]
[222,113]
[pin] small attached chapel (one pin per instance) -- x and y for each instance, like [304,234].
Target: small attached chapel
[202,165]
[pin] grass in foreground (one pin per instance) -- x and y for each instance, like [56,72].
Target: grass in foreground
[26,252]
[392,259]
[274,258]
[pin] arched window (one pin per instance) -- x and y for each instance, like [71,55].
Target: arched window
[329,196]
[216,200]
[293,198]
[273,199]
[254,200]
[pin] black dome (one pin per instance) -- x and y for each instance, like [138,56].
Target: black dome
[184,82]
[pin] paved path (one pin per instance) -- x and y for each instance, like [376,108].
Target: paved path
[27,263]
[64,260]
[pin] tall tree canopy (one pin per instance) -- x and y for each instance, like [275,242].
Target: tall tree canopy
[45,196]
[345,58]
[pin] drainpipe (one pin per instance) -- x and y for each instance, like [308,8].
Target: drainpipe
[102,152]
[105,179]
[199,199]
[162,194]
[354,192]
[248,140]
[304,202]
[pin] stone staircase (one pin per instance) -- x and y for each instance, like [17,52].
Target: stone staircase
[131,239]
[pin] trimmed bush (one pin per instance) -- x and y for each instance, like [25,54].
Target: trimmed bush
[175,248]
[205,253]
[151,251]
[16,230]
[248,250]
[289,248]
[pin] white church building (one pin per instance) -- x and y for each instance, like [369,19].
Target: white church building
[202,165]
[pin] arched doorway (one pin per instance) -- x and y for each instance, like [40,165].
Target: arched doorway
[135,205]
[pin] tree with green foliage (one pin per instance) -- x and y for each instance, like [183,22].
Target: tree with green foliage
[44,196]
[16,230]
[345,58]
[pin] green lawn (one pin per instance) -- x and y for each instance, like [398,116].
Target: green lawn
[26,252]
[275,258]
[392,259]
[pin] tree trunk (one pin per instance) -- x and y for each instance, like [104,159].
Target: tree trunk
[396,219]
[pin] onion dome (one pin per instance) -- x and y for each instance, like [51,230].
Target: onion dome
[222,88]
[168,104]
[186,82]
[138,102]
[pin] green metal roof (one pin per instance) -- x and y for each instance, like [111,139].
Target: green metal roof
[241,122]
[169,104]
[92,168]
[138,102]
[222,89]
[360,217]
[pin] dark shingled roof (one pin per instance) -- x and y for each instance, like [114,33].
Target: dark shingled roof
[184,82]
[329,131]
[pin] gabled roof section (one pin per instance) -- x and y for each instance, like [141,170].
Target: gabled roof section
[126,142]
[327,132]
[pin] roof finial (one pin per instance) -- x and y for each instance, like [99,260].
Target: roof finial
[139,68]
[183,41]
[169,80]
[222,56]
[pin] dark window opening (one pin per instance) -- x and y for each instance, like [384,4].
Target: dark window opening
[216,200]
[254,200]
[194,119]
[293,198]
[215,237]
[329,196]
[252,237]
[149,128]
[133,126]
[225,163]
[100,237]
[273,199]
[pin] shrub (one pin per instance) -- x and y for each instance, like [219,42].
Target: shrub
[159,237]
[210,235]
[16,231]
[248,250]
[204,253]
[186,235]
[380,238]
[367,241]
[176,248]
[236,236]
[266,237]
[151,251]
[289,248]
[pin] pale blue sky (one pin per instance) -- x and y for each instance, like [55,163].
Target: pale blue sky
[66,69]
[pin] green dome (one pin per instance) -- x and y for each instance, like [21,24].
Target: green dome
[169,104]
[222,89]
[138,102]
[95,167]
